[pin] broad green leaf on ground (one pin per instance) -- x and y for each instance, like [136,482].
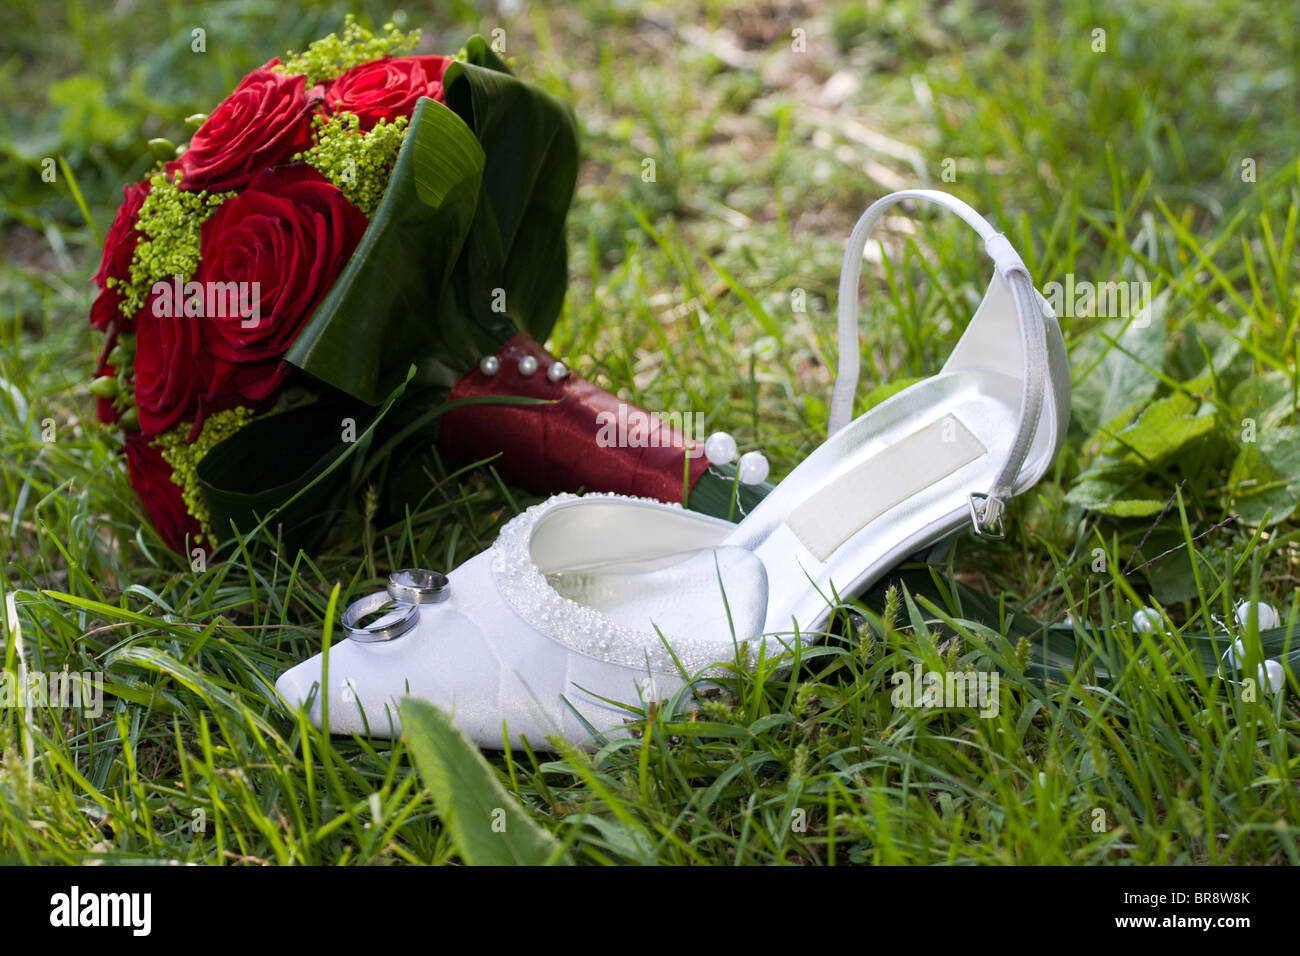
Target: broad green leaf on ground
[1110,382]
[1265,478]
[1197,341]
[486,825]
[1165,428]
[1117,481]
[383,312]
[1267,400]
[1172,578]
[1118,498]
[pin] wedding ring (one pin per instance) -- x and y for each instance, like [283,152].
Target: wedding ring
[395,618]
[418,586]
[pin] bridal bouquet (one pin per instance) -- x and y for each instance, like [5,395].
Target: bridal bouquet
[323,284]
[331,223]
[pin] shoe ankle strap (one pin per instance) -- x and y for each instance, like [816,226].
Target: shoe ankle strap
[986,507]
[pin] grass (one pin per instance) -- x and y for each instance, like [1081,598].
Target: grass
[1118,165]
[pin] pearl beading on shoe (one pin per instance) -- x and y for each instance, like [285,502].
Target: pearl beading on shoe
[584,629]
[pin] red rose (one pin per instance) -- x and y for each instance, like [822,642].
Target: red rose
[119,247]
[283,241]
[151,477]
[168,373]
[386,88]
[261,124]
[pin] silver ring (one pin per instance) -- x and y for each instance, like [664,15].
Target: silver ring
[418,586]
[397,618]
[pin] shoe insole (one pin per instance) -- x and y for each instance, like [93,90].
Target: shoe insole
[882,481]
[682,597]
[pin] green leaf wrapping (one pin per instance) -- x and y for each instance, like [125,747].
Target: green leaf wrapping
[242,481]
[381,312]
[514,267]
[302,479]
[719,495]
[486,824]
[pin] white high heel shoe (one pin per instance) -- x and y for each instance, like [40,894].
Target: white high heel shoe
[580,599]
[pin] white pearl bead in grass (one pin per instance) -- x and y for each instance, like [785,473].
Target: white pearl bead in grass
[1146,619]
[1272,675]
[752,468]
[527,365]
[720,449]
[1236,655]
[557,371]
[1267,615]
[489,365]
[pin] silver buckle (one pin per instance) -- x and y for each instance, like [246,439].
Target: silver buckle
[986,521]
